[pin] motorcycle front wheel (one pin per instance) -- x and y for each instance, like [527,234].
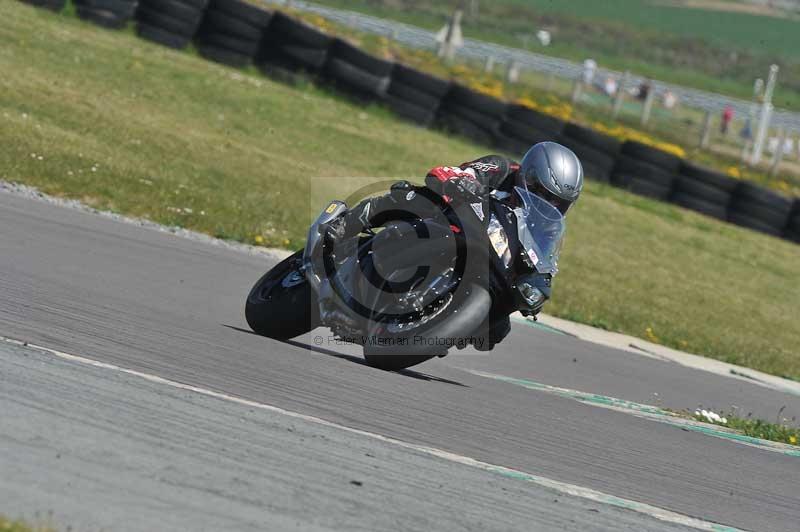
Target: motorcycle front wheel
[393,350]
[282,304]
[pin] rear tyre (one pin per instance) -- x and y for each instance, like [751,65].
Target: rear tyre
[282,304]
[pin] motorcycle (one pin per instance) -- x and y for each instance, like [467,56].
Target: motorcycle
[416,286]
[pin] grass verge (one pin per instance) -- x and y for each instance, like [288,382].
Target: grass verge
[755,428]
[7,525]
[135,128]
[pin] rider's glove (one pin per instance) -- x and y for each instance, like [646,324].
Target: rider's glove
[452,183]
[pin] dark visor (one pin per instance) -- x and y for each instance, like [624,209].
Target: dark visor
[559,203]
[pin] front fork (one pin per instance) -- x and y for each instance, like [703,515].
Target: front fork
[312,255]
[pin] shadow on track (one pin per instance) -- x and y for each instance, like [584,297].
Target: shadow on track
[355,360]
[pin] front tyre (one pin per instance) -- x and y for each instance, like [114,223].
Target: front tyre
[392,349]
[282,304]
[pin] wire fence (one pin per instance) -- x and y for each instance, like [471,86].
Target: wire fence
[416,37]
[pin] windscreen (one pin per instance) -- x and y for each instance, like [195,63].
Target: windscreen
[541,228]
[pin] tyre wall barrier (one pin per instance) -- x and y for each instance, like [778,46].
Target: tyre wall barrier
[113,14]
[356,72]
[415,95]
[172,23]
[231,32]
[235,32]
[52,5]
[289,45]
[472,114]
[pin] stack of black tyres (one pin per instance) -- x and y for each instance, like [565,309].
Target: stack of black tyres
[703,190]
[231,32]
[52,5]
[645,170]
[415,95]
[598,152]
[793,227]
[292,45]
[171,23]
[472,114]
[522,127]
[356,72]
[760,209]
[113,14]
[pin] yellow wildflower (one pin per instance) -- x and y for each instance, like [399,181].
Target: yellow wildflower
[259,239]
[651,335]
[793,439]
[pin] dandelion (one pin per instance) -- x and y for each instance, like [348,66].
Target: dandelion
[259,239]
[793,439]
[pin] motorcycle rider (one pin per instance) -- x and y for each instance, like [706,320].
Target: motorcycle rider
[548,169]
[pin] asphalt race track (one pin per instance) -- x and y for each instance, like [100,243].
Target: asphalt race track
[103,448]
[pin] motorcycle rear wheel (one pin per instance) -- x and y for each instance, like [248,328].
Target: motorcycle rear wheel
[282,304]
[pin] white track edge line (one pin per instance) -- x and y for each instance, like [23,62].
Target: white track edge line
[560,487]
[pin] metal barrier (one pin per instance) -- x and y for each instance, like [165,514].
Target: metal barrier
[478,50]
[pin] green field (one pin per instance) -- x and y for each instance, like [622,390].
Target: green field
[125,125]
[692,47]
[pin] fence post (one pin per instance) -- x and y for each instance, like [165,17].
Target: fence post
[797,148]
[705,136]
[618,97]
[648,105]
[764,119]
[512,76]
[489,66]
[776,160]
[577,89]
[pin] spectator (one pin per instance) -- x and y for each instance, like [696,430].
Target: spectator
[610,86]
[644,89]
[727,116]
[670,100]
[747,131]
